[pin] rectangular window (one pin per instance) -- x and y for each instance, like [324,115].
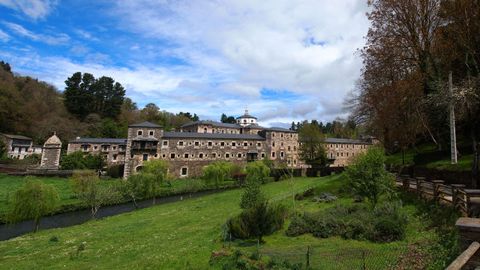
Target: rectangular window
[222,144]
[145,157]
[184,171]
[165,143]
[273,154]
[139,133]
[150,133]
[180,143]
[197,144]
[185,156]
[172,155]
[234,144]
[210,144]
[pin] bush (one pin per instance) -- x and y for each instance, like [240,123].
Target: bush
[367,175]
[32,159]
[257,221]
[386,223]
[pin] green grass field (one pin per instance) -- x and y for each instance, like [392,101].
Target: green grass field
[182,235]
[170,236]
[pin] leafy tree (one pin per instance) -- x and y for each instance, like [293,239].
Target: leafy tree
[85,95]
[368,177]
[88,189]
[80,161]
[258,170]
[311,145]
[188,115]
[154,173]
[252,194]
[133,188]
[227,119]
[32,201]
[217,172]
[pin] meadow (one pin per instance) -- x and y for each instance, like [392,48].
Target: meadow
[183,235]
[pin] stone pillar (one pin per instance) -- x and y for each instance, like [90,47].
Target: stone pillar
[51,153]
[469,230]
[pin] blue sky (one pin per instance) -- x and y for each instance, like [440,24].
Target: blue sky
[286,60]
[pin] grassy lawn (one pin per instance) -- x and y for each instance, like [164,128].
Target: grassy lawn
[170,236]
[428,156]
[182,235]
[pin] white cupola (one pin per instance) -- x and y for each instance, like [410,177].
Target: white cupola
[246,119]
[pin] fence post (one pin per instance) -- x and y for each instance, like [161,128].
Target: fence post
[436,189]
[455,188]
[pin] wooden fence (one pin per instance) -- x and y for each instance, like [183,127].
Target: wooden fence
[467,201]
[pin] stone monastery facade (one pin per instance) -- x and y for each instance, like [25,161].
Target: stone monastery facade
[199,143]
[196,145]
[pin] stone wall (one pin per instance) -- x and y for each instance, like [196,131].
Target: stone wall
[342,154]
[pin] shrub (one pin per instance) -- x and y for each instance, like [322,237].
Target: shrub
[390,223]
[386,223]
[252,194]
[32,201]
[367,175]
[32,159]
[257,221]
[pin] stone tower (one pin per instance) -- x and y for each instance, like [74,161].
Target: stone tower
[51,153]
[142,145]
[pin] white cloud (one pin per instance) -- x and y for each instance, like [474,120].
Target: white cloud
[4,36]
[56,39]
[35,9]
[306,47]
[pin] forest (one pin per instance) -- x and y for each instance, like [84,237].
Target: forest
[412,48]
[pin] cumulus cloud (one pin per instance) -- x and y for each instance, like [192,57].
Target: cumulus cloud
[56,39]
[35,9]
[306,46]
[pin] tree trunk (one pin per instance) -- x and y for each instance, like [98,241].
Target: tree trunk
[37,225]
[153,200]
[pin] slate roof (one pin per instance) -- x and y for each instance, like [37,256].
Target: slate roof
[246,115]
[213,123]
[145,124]
[213,136]
[349,141]
[18,137]
[279,129]
[100,140]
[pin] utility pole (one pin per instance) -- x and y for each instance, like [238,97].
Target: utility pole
[453,136]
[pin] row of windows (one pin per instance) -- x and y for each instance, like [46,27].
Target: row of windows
[282,145]
[291,135]
[342,154]
[347,146]
[202,155]
[165,143]
[150,133]
[86,147]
